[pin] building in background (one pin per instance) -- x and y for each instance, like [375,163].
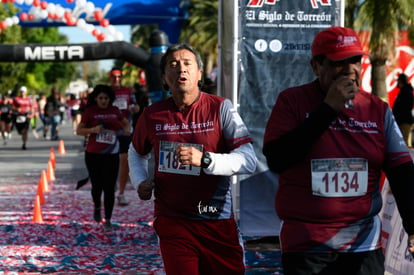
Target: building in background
[76,87]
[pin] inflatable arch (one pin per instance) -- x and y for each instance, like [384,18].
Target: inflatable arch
[167,14]
[84,14]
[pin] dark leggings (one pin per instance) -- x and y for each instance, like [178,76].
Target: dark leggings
[103,172]
[357,263]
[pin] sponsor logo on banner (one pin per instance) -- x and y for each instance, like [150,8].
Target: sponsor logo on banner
[264,14]
[259,3]
[315,5]
[270,17]
[54,53]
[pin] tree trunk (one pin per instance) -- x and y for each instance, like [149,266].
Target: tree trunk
[378,76]
[208,63]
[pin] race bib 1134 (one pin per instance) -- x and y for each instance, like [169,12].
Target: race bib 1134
[346,177]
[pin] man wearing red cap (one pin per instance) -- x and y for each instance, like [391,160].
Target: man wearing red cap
[329,141]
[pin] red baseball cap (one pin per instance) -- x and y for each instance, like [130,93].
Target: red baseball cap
[337,43]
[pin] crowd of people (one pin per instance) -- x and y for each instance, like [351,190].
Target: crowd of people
[43,114]
[39,114]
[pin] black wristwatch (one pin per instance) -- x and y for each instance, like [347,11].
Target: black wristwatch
[205,160]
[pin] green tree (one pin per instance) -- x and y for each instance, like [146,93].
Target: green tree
[201,30]
[141,34]
[10,72]
[351,10]
[91,73]
[41,76]
[140,38]
[383,18]
[38,76]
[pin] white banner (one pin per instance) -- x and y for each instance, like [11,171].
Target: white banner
[398,260]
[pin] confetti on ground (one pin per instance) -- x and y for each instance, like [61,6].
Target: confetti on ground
[68,241]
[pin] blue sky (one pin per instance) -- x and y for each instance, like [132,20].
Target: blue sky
[76,35]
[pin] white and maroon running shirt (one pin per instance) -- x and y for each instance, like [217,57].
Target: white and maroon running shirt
[105,142]
[210,124]
[329,201]
[22,105]
[124,99]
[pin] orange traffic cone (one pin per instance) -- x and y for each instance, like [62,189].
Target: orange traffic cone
[52,157]
[37,212]
[40,192]
[62,150]
[50,172]
[44,181]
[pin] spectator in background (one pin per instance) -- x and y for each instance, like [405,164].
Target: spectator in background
[22,106]
[62,108]
[41,103]
[6,118]
[142,99]
[125,101]
[73,105]
[403,107]
[209,86]
[83,102]
[53,113]
[35,117]
[83,98]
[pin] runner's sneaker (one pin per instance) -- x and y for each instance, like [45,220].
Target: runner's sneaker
[122,200]
[97,215]
[107,226]
[35,134]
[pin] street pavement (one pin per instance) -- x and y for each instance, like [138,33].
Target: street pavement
[17,162]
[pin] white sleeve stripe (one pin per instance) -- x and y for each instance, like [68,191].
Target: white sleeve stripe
[241,160]
[138,166]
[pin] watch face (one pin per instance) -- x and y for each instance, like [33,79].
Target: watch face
[206,160]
